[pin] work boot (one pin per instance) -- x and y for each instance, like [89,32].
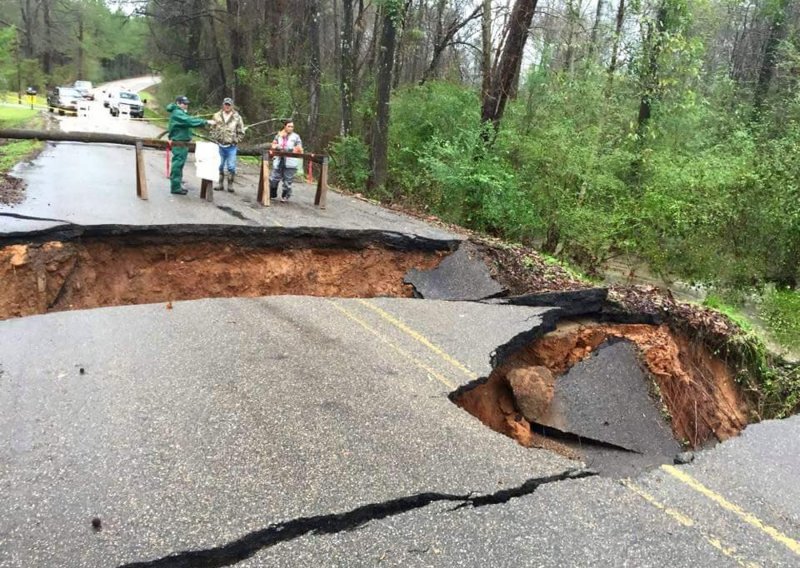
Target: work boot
[231,177]
[220,187]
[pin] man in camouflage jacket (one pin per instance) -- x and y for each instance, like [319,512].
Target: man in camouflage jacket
[228,132]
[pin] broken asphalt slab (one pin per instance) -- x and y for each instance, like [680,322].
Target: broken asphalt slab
[607,398]
[262,237]
[194,425]
[574,303]
[463,275]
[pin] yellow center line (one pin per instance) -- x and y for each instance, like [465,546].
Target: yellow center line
[393,345]
[748,518]
[419,337]
[688,522]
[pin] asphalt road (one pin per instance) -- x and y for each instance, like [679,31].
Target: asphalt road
[293,431]
[296,431]
[95,184]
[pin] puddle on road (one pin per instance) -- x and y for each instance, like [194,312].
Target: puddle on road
[94,272]
[619,416]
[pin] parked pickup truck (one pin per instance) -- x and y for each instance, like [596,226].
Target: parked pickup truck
[85,89]
[126,102]
[63,100]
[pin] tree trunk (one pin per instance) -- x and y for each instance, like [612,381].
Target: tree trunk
[274,11]
[220,60]
[400,49]
[314,71]
[372,55]
[347,76]
[80,63]
[28,13]
[569,56]
[598,15]
[486,49]
[612,66]
[777,31]
[737,63]
[494,104]
[650,79]
[192,60]
[47,55]
[380,125]
[337,35]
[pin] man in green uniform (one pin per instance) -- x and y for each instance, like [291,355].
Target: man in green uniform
[180,131]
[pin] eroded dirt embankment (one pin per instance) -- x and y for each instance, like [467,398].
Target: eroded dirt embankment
[56,276]
[697,390]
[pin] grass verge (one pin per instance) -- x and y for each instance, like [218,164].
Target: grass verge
[153,110]
[772,382]
[15,117]
[9,97]
[12,152]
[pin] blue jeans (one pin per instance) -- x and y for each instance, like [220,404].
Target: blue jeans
[227,158]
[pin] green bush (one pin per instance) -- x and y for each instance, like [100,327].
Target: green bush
[427,121]
[176,82]
[781,312]
[350,157]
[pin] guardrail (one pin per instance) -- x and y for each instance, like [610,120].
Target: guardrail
[266,154]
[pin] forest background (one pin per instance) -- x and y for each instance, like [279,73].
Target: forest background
[662,133]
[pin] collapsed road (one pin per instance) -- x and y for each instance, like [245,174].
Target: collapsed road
[218,408]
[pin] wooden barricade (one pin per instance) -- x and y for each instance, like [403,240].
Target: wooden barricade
[141,179]
[207,190]
[262,195]
[320,198]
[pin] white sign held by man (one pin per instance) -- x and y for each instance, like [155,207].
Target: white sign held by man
[206,157]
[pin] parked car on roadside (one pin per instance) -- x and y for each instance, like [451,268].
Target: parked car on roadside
[126,101]
[85,89]
[63,100]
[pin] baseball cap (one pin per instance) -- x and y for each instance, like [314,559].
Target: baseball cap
[227,101]
[183,99]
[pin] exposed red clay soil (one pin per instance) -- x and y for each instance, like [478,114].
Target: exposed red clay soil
[57,276]
[697,389]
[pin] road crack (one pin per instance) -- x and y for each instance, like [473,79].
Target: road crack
[251,543]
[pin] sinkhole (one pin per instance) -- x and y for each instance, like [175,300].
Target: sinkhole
[49,275]
[621,397]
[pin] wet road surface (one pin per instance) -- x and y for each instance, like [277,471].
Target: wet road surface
[96,184]
[200,427]
[296,431]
